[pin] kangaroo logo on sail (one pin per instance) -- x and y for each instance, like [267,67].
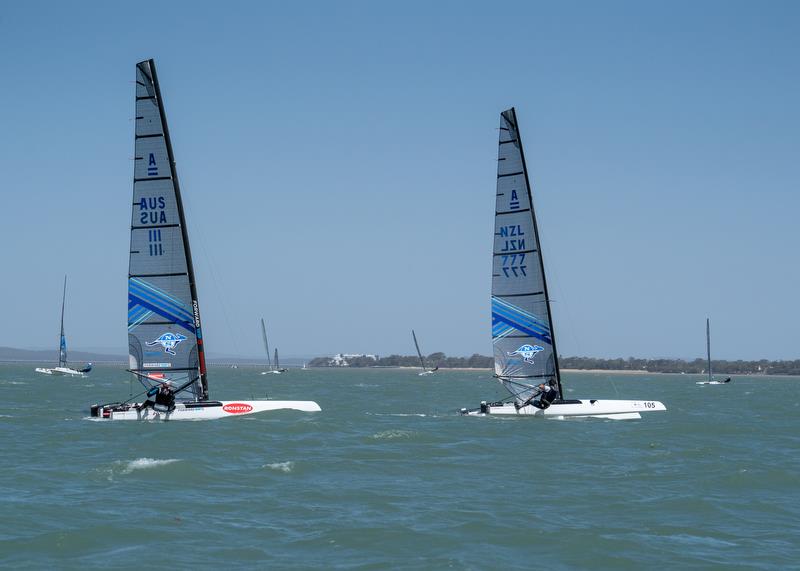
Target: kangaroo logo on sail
[528,352]
[168,341]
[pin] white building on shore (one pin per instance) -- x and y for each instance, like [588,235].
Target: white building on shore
[340,359]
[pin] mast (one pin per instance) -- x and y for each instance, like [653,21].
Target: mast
[266,343]
[277,363]
[62,342]
[185,235]
[419,353]
[708,346]
[541,257]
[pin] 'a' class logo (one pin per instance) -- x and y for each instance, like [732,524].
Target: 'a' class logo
[168,341]
[528,352]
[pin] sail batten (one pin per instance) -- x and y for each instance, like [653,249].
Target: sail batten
[522,328]
[164,332]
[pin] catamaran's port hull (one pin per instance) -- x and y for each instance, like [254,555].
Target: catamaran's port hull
[204,410]
[577,408]
[58,371]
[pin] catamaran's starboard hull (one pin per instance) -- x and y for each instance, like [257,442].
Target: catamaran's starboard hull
[58,371]
[712,383]
[577,408]
[208,410]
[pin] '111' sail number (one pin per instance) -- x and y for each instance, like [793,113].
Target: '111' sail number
[513,265]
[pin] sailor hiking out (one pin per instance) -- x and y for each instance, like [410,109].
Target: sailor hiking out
[546,394]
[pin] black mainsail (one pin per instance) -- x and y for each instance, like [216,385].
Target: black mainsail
[419,353]
[266,343]
[522,328]
[164,334]
[62,343]
[708,348]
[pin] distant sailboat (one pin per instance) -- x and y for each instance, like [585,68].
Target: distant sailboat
[425,369]
[525,356]
[711,380]
[62,368]
[166,345]
[277,368]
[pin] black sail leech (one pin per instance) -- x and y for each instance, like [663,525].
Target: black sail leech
[164,329]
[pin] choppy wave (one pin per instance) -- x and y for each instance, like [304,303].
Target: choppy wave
[285,467]
[393,434]
[144,464]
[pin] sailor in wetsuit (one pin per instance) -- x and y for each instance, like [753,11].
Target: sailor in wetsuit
[164,398]
[547,394]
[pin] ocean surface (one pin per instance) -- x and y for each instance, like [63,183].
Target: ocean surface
[389,476]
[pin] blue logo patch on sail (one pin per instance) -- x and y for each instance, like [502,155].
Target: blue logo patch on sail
[168,341]
[528,352]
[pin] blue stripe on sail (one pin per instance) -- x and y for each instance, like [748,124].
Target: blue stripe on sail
[520,319]
[137,315]
[177,320]
[160,292]
[545,337]
[160,300]
[157,296]
[132,324]
[518,315]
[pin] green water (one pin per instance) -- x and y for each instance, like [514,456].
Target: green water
[388,476]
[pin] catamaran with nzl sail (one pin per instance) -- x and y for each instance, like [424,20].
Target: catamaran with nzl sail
[710,380]
[425,369]
[62,368]
[525,357]
[166,348]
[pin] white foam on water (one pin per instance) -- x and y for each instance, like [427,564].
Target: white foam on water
[392,434]
[397,414]
[146,464]
[285,467]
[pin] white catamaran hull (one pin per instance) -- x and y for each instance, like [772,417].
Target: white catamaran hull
[712,383]
[576,408]
[208,410]
[58,371]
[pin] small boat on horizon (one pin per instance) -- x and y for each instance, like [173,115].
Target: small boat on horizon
[276,369]
[523,338]
[62,368]
[425,369]
[710,380]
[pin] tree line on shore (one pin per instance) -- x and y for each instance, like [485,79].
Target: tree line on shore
[696,366]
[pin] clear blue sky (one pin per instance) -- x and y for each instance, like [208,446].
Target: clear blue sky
[338,164]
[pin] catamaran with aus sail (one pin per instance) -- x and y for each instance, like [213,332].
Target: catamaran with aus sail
[63,368]
[524,340]
[165,338]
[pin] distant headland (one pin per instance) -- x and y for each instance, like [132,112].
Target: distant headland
[696,366]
